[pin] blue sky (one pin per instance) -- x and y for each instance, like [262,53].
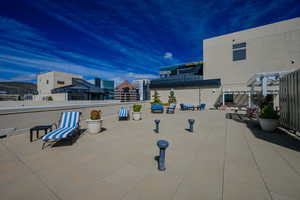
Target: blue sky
[120,39]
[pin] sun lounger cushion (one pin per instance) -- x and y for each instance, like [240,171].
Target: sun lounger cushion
[68,123]
[123,112]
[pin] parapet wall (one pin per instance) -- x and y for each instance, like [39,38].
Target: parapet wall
[14,120]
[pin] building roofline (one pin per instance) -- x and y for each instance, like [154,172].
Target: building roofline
[251,29]
[181,65]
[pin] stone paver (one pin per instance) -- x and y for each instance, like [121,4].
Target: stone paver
[222,159]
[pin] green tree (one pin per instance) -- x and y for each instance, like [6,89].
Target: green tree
[156,98]
[172,98]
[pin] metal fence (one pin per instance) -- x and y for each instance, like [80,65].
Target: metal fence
[289,100]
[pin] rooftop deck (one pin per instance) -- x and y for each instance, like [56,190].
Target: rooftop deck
[223,159]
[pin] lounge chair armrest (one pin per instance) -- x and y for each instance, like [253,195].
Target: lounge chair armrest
[54,124]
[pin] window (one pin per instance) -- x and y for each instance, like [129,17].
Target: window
[60,82]
[239,51]
[47,82]
[228,98]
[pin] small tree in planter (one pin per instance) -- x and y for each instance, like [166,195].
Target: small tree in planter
[137,112]
[156,98]
[268,118]
[95,121]
[172,98]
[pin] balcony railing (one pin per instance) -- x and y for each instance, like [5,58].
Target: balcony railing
[178,78]
[183,81]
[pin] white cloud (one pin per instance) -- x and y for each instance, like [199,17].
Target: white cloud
[27,77]
[168,55]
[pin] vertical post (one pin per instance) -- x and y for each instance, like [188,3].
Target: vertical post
[157,125]
[223,99]
[264,86]
[199,96]
[191,123]
[162,145]
[251,95]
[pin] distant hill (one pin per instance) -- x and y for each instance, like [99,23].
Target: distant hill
[19,88]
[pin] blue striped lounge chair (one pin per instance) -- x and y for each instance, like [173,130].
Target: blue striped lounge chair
[123,114]
[171,108]
[68,126]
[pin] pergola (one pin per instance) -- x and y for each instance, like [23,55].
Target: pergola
[262,80]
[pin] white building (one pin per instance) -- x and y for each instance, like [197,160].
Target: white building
[143,88]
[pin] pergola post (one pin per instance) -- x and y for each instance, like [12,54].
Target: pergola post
[264,86]
[250,105]
[223,99]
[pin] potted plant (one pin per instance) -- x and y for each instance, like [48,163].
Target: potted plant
[137,112]
[268,118]
[95,122]
[172,98]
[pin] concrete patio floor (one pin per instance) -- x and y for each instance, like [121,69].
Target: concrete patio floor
[223,159]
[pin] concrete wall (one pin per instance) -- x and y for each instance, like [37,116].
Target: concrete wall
[25,119]
[269,48]
[194,96]
[12,104]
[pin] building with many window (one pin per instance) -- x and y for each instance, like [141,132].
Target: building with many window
[143,89]
[229,61]
[186,80]
[127,92]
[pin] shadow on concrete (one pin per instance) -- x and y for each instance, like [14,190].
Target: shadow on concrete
[278,137]
[69,141]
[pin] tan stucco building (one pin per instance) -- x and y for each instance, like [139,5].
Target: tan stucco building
[234,58]
[46,82]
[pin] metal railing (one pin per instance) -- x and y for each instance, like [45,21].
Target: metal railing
[177,78]
[289,100]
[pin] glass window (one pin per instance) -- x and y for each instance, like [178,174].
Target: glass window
[60,82]
[239,55]
[228,98]
[239,45]
[239,51]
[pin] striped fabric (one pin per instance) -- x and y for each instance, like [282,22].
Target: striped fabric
[69,122]
[123,112]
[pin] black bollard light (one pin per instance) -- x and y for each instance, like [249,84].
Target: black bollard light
[157,125]
[191,123]
[162,145]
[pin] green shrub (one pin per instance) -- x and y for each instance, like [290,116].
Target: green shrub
[268,112]
[172,98]
[50,98]
[137,108]
[156,99]
[95,114]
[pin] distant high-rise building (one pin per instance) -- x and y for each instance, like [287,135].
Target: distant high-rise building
[143,89]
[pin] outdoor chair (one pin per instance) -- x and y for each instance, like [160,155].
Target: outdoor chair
[171,109]
[201,106]
[68,128]
[187,107]
[123,114]
[157,108]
